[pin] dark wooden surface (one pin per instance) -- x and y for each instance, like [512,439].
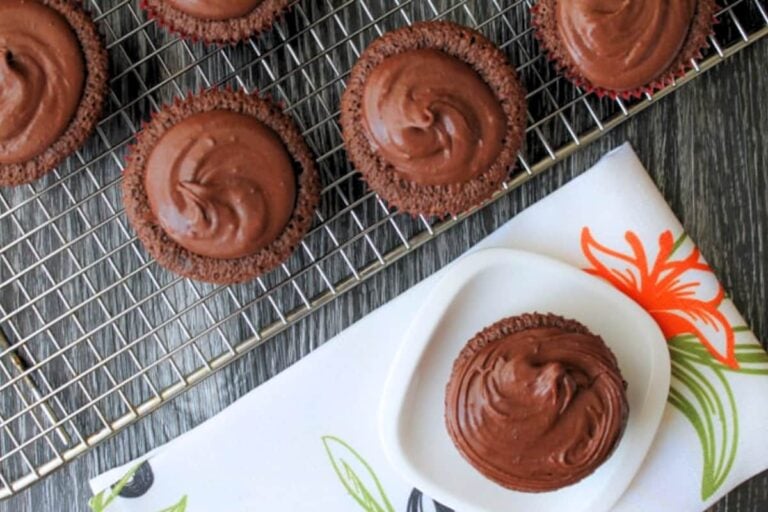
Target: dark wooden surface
[705,147]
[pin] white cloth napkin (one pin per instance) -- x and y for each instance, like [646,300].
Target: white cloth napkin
[308,439]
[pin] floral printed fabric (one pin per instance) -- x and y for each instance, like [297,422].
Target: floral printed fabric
[671,287]
[308,438]
[680,291]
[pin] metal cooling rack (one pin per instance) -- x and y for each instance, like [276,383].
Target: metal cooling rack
[96,335]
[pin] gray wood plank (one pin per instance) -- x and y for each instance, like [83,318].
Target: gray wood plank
[704,146]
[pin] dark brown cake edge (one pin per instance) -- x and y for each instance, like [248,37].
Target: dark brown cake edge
[179,260]
[91,103]
[222,32]
[493,67]
[545,31]
[519,323]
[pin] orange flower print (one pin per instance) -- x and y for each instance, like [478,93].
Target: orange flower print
[672,289]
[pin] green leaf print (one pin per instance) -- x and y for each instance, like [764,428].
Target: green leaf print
[700,390]
[356,476]
[681,292]
[703,395]
[181,506]
[102,500]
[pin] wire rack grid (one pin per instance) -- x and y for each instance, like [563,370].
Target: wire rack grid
[94,335]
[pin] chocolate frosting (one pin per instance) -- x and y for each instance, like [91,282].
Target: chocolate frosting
[537,409]
[624,45]
[42,75]
[221,184]
[215,9]
[432,117]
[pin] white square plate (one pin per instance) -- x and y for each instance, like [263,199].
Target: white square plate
[476,291]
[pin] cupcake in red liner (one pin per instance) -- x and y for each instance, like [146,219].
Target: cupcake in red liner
[626,50]
[220,187]
[433,116]
[216,21]
[53,82]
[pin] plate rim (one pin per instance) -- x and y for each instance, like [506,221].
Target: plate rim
[419,335]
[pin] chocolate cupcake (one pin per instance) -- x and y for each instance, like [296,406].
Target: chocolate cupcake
[536,402]
[220,187]
[433,117]
[216,21]
[623,49]
[53,81]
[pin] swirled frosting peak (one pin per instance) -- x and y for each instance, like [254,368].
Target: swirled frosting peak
[432,117]
[537,409]
[624,45]
[215,9]
[221,184]
[42,75]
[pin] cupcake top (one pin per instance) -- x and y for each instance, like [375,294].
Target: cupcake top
[41,79]
[536,402]
[624,45]
[221,184]
[216,21]
[53,80]
[432,118]
[215,9]
[625,48]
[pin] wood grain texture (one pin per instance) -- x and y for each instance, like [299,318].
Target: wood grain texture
[704,146]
